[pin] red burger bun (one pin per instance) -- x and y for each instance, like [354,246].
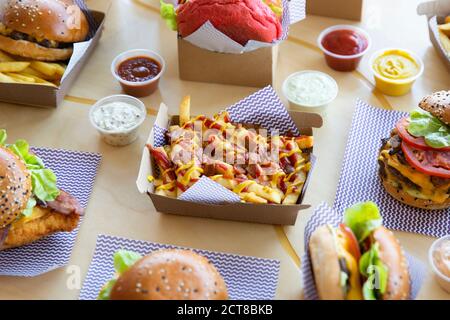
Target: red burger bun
[240,20]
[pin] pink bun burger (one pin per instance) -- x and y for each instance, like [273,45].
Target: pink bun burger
[241,20]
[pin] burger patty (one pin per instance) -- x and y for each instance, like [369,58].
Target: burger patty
[16,35]
[344,269]
[393,143]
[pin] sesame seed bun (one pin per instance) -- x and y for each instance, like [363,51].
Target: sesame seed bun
[53,20]
[391,254]
[325,263]
[32,50]
[438,104]
[171,275]
[15,187]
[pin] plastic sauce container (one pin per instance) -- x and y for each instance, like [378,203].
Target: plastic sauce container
[117,118]
[310,90]
[344,46]
[395,70]
[439,259]
[138,71]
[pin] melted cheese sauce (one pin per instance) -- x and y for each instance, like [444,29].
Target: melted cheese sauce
[428,191]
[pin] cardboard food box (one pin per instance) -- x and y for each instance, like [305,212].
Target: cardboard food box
[435,12]
[435,39]
[341,9]
[263,109]
[50,97]
[253,69]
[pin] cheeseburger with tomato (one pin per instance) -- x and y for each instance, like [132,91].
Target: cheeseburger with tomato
[415,160]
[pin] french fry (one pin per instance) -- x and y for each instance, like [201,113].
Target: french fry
[5,58]
[20,78]
[31,71]
[291,198]
[49,69]
[445,28]
[447,19]
[38,80]
[6,79]
[227,183]
[60,69]
[445,41]
[13,66]
[305,142]
[185,110]
[251,197]
[265,192]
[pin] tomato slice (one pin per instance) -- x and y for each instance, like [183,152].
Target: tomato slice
[416,142]
[431,162]
[353,246]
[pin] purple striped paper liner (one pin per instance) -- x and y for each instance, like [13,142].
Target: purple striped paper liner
[76,172]
[247,278]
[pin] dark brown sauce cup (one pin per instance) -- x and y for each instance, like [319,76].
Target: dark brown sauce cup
[139,88]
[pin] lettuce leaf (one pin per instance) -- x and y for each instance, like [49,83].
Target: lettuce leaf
[123,260]
[105,293]
[371,267]
[43,180]
[424,124]
[3,137]
[169,14]
[275,6]
[30,205]
[363,218]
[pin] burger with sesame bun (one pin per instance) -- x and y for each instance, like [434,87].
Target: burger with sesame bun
[415,160]
[31,205]
[41,29]
[169,274]
[360,259]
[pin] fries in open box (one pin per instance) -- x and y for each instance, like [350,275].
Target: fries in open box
[258,168]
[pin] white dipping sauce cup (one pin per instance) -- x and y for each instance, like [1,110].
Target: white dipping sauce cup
[119,137]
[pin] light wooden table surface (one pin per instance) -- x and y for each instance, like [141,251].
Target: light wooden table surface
[116,207]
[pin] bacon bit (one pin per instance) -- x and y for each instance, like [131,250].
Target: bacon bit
[239,169]
[241,178]
[161,157]
[65,203]
[182,187]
